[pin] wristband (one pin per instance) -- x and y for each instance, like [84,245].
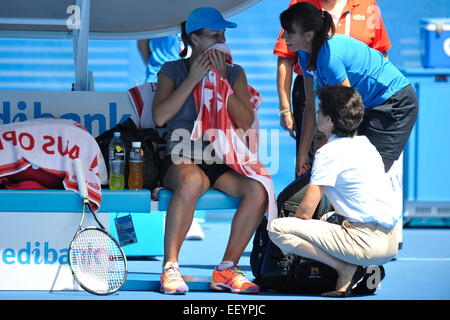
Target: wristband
[284,111]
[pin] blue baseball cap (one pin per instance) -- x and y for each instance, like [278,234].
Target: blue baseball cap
[207,17]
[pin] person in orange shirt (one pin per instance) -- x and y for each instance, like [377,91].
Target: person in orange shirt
[359,19]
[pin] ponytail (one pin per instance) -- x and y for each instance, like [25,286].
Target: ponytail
[186,39]
[320,37]
[309,18]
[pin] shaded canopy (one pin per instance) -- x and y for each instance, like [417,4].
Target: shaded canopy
[108,19]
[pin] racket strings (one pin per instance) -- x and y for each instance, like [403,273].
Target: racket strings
[97,262]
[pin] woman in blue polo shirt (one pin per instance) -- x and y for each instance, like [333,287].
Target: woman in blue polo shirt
[390,102]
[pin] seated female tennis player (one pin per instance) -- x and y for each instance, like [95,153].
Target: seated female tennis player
[174,105]
[350,171]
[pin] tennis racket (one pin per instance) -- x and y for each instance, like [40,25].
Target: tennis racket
[97,261]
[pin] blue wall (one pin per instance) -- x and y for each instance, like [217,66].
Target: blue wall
[402,21]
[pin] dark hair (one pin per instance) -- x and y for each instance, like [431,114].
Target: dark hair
[186,38]
[306,16]
[345,108]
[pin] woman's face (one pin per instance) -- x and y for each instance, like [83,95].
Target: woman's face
[297,40]
[208,38]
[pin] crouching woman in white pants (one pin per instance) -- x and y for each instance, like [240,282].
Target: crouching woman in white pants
[350,172]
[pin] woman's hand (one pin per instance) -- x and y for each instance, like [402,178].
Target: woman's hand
[287,123]
[168,100]
[199,68]
[302,164]
[218,61]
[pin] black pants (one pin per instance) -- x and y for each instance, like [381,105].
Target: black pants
[389,125]
[298,106]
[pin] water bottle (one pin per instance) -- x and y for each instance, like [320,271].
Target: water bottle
[136,163]
[116,163]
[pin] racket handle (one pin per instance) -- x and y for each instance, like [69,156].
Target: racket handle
[80,178]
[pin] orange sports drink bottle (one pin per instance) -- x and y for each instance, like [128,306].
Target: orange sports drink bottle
[136,163]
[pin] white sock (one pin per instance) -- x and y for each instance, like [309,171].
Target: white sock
[225,264]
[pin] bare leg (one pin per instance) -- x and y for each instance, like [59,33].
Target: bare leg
[189,182]
[247,216]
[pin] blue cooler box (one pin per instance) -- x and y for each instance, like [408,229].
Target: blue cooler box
[435,37]
[426,158]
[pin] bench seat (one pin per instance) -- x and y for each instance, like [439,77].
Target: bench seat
[148,216]
[112,201]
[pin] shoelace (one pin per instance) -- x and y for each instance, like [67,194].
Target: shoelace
[173,273]
[238,275]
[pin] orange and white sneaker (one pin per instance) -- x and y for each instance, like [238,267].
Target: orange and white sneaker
[232,279]
[171,280]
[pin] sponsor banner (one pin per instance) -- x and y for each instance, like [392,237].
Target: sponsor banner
[34,249]
[96,111]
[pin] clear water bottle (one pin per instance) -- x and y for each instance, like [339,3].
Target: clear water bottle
[116,163]
[136,163]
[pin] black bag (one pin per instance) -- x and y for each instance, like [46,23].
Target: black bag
[290,198]
[289,273]
[151,143]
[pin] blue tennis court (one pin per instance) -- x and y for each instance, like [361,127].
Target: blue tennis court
[420,272]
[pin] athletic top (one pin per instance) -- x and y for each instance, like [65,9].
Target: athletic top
[178,71]
[375,78]
[356,184]
[360,19]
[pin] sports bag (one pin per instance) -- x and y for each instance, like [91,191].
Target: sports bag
[151,144]
[289,273]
